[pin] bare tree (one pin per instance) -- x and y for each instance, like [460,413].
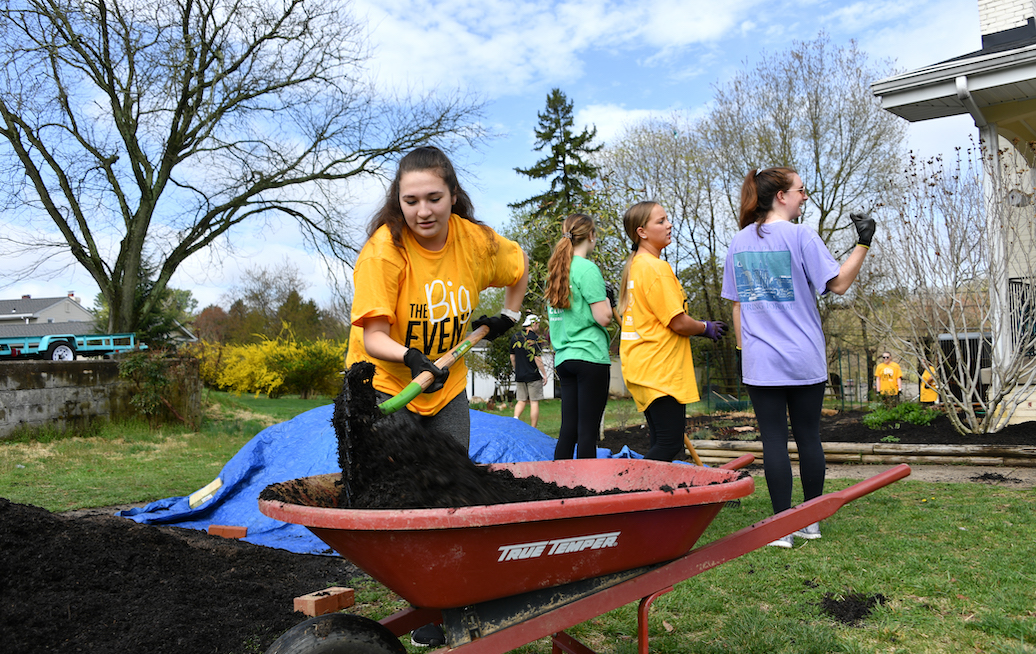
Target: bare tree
[960,270]
[142,133]
[668,161]
[809,108]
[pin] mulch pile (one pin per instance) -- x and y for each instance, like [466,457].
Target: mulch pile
[103,584]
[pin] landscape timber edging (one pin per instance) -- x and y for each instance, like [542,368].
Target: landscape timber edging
[1021,456]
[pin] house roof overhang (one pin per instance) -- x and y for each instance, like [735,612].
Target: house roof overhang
[994,87]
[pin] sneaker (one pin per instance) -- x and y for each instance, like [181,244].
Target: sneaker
[430,635]
[786,542]
[809,532]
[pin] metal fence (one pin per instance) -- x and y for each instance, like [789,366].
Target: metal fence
[849,380]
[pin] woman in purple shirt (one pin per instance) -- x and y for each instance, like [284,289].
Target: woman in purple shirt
[774,271]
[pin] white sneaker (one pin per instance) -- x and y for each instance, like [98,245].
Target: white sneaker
[809,532]
[786,542]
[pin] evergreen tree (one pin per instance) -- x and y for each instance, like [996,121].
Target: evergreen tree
[538,219]
[566,164]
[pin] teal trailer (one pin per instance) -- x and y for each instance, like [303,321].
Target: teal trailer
[66,347]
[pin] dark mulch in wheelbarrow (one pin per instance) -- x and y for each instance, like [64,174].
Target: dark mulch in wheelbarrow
[392,462]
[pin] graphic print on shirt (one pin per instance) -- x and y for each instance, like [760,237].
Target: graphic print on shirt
[439,324]
[764,277]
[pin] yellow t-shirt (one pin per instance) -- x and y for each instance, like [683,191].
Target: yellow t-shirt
[928,392]
[656,361]
[428,298]
[888,375]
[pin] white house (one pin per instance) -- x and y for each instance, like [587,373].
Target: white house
[996,86]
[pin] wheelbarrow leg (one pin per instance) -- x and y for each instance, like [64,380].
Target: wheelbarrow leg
[642,619]
[562,643]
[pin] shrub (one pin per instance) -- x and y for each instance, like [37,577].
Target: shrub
[908,412]
[155,377]
[275,367]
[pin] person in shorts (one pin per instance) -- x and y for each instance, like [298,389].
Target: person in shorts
[529,373]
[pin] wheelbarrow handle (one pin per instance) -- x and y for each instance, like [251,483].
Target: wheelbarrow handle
[423,380]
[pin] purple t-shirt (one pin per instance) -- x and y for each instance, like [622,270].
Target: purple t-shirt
[776,279]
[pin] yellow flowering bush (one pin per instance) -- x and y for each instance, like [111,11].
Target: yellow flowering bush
[276,367]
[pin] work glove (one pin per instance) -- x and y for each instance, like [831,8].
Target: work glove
[498,325]
[864,228]
[609,290]
[416,360]
[740,369]
[714,330]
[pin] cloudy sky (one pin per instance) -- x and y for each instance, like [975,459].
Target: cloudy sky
[617,61]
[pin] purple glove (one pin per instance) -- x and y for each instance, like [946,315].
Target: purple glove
[714,330]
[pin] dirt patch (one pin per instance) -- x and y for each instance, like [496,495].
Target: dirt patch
[848,427]
[852,608]
[842,427]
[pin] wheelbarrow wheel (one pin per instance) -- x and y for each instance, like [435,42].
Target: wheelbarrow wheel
[337,633]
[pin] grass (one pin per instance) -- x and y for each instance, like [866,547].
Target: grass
[953,560]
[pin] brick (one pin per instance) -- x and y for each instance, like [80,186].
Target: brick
[228,531]
[324,601]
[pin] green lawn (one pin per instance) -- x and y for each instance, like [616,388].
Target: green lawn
[953,561]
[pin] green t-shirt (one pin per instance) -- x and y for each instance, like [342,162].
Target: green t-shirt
[574,333]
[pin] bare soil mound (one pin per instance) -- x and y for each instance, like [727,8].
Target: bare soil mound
[843,427]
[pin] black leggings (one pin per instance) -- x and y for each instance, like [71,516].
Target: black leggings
[667,422]
[774,407]
[584,394]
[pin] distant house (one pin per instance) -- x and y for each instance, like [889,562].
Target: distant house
[41,313]
[996,86]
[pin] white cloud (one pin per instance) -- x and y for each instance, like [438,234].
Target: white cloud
[612,120]
[505,47]
[913,34]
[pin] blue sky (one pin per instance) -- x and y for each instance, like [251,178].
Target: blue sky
[617,61]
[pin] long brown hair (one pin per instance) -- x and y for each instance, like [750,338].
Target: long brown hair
[426,157]
[758,191]
[635,217]
[577,228]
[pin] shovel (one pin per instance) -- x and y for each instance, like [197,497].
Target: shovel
[355,412]
[692,451]
[423,380]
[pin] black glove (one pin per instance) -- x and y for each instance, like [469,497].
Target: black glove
[737,356]
[714,330]
[864,228]
[416,360]
[609,290]
[498,325]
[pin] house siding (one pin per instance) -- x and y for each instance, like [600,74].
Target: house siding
[999,15]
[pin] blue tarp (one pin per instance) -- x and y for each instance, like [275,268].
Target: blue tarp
[306,446]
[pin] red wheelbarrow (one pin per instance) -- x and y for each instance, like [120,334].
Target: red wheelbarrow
[501,576]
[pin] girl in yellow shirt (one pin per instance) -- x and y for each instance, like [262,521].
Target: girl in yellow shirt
[416,285]
[656,354]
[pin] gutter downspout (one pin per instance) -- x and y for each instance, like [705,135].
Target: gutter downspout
[989,139]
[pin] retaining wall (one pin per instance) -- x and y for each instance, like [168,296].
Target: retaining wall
[70,394]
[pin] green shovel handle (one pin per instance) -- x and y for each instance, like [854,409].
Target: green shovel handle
[421,382]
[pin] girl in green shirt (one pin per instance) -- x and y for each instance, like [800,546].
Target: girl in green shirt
[580,308]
